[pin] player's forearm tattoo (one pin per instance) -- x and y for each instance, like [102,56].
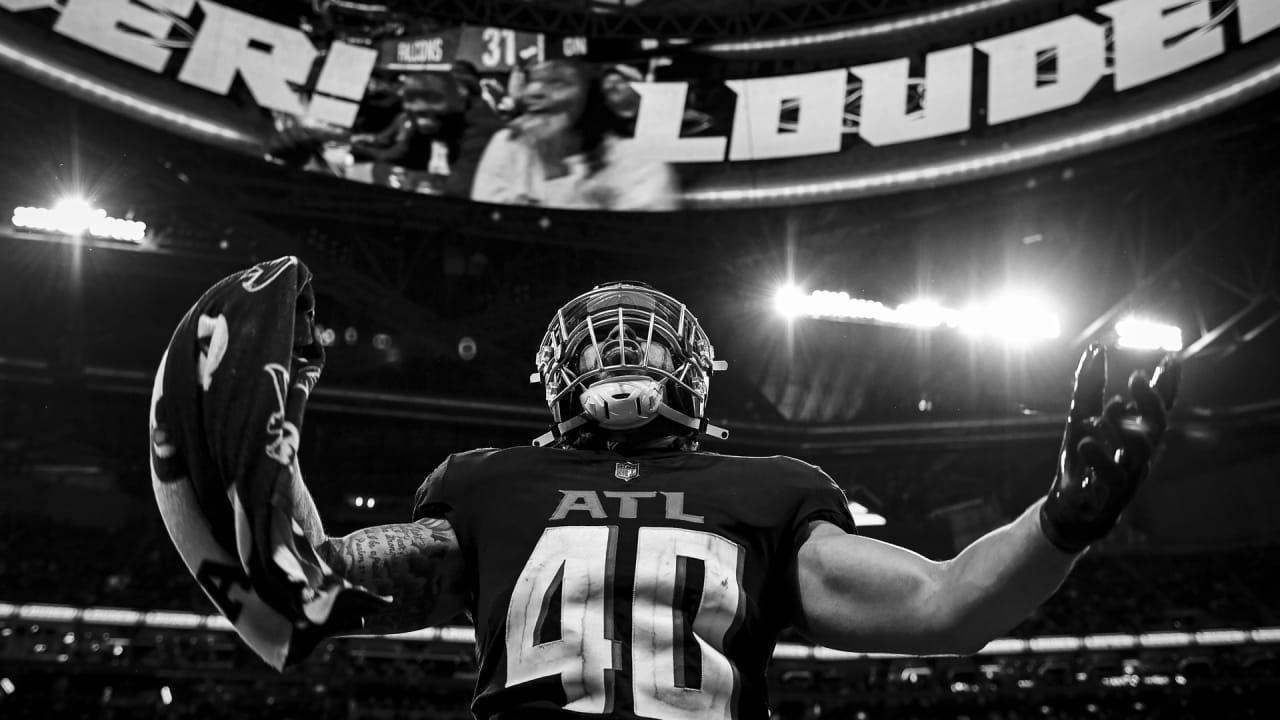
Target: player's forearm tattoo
[417,564]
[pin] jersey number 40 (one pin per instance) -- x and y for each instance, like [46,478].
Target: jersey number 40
[688,596]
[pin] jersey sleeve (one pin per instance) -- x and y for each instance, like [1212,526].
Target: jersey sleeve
[822,499]
[437,495]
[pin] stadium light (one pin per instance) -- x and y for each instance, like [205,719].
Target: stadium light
[925,313]
[789,301]
[1015,317]
[75,212]
[75,216]
[862,517]
[1138,333]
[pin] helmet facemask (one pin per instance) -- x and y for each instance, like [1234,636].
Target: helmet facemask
[621,356]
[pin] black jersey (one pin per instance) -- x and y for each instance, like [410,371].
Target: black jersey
[649,586]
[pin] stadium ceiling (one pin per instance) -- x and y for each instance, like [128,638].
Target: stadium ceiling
[1182,223]
[664,18]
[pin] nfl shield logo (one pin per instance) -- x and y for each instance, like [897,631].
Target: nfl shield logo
[626,471]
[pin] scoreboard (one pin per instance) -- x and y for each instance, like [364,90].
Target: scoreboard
[490,49]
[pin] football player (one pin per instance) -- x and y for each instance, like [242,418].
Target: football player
[613,570]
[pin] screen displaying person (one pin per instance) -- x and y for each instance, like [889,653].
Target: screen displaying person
[566,148]
[416,150]
[479,121]
[622,98]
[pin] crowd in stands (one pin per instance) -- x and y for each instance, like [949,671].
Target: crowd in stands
[1187,591]
[55,669]
[203,677]
[248,703]
[136,567]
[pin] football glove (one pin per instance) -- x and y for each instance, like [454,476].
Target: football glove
[1106,450]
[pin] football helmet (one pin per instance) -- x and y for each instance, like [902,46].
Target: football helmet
[621,355]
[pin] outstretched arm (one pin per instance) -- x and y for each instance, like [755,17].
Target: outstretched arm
[418,564]
[861,594]
[857,593]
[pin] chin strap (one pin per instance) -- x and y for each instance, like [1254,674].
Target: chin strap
[558,430]
[699,424]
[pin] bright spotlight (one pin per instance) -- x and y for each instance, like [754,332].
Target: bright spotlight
[372,502]
[1014,318]
[74,216]
[166,695]
[1141,334]
[925,313]
[7,686]
[76,212]
[789,301]
[359,501]
[792,302]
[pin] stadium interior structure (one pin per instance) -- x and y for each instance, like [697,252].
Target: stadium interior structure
[435,306]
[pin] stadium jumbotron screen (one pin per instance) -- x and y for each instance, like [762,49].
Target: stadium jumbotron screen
[515,117]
